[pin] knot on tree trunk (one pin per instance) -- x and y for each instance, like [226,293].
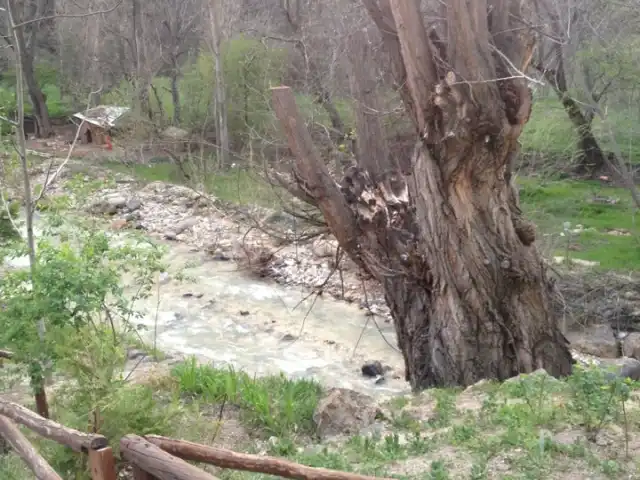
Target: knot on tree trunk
[525,230]
[382,202]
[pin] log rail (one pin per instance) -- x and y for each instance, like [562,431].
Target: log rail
[101,460]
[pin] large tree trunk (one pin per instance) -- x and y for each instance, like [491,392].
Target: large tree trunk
[442,231]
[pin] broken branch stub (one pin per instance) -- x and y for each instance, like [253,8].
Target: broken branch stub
[311,171]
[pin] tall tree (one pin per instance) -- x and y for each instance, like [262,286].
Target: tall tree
[34,23]
[581,54]
[442,231]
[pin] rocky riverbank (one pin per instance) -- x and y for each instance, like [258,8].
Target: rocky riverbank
[601,312]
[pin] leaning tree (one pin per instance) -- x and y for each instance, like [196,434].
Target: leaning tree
[442,231]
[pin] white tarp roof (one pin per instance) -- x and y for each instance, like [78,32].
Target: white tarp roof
[104,116]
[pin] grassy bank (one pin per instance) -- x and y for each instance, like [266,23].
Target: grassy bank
[534,427]
[550,134]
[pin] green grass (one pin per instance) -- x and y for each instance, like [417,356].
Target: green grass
[274,404]
[236,186]
[552,203]
[550,133]
[516,429]
[517,425]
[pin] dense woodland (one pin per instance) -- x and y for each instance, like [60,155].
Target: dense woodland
[193,63]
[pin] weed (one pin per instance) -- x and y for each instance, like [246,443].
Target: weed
[445,408]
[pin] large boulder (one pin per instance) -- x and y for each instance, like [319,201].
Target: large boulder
[344,411]
[597,340]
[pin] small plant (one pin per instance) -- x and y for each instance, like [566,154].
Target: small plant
[597,397]
[8,213]
[445,408]
[438,471]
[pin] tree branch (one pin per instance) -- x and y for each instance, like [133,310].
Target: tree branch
[71,15]
[313,172]
[421,75]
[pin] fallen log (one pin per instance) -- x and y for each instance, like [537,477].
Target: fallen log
[221,457]
[6,354]
[19,443]
[158,463]
[77,441]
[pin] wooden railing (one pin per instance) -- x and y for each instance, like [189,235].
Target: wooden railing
[152,457]
[101,460]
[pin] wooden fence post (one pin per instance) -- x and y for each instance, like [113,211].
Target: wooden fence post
[102,464]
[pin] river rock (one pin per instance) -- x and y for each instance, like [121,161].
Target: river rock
[119,224]
[133,204]
[109,205]
[175,133]
[344,411]
[372,369]
[597,340]
[631,345]
[185,225]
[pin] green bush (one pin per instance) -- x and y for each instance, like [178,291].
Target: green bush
[250,68]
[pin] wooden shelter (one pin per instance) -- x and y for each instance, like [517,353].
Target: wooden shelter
[96,123]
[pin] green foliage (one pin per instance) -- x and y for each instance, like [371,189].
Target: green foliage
[77,289]
[275,404]
[549,134]
[8,215]
[76,282]
[49,79]
[249,68]
[598,396]
[552,203]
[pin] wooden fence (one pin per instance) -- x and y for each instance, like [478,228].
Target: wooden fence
[101,460]
[152,457]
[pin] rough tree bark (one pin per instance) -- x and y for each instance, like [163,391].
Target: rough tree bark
[442,231]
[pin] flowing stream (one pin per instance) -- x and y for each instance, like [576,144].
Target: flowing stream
[224,316]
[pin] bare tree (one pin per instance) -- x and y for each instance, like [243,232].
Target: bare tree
[26,39]
[443,231]
[568,31]
[216,10]
[180,20]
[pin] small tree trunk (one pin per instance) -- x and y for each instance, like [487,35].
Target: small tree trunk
[38,101]
[592,159]
[222,128]
[175,97]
